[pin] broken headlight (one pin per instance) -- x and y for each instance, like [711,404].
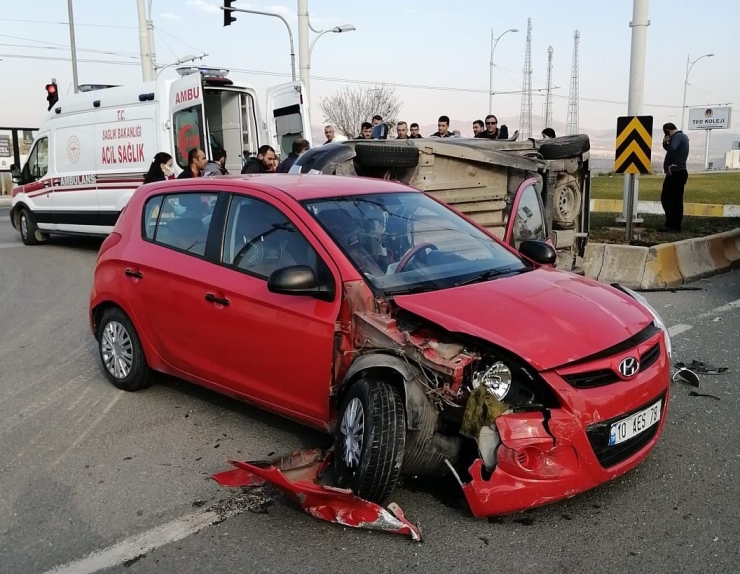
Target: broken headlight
[496,379]
[657,320]
[509,381]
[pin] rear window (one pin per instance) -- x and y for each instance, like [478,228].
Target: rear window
[179,220]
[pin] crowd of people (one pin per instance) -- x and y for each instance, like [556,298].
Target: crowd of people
[482,129]
[267,161]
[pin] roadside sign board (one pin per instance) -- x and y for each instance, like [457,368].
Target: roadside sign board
[718,118]
[634,144]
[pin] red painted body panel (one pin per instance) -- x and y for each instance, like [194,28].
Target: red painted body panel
[547,317]
[296,476]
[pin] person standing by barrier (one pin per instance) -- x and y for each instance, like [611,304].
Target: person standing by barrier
[676,144]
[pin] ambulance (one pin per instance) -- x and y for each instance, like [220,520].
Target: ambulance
[94,148]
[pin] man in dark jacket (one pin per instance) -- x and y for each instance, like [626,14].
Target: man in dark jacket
[676,144]
[443,128]
[300,146]
[263,162]
[196,164]
[492,131]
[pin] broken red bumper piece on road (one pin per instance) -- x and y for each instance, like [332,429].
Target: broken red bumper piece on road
[297,474]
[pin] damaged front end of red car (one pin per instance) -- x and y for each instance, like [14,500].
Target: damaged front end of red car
[515,436]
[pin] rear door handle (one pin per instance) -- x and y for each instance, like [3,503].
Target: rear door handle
[213,299]
[133,273]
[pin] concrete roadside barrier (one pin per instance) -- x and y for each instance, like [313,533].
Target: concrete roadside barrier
[665,265]
[624,264]
[661,268]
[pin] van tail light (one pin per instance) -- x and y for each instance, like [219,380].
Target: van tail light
[111,241]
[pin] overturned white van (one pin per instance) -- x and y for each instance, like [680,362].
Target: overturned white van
[94,147]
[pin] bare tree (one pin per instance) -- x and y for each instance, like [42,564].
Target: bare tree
[348,108]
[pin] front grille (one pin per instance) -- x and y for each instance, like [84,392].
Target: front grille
[591,379]
[648,359]
[602,377]
[608,456]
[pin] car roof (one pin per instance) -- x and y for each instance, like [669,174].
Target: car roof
[299,186]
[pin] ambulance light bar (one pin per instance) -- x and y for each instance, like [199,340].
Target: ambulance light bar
[205,71]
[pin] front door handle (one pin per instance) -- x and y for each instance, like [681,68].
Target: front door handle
[133,273]
[213,299]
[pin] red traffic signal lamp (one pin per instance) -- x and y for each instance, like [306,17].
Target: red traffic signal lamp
[52,94]
[228,18]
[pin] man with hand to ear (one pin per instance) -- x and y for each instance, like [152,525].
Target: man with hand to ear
[676,144]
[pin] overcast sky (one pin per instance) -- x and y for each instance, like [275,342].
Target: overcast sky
[439,44]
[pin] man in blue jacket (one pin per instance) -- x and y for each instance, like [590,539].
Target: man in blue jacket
[676,144]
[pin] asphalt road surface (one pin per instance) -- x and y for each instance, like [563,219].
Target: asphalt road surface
[90,476]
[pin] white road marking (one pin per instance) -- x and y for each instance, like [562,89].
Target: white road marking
[678,329]
[177,529]
[723,309]
[9,245]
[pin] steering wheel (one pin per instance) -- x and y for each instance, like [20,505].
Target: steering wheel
[415,251]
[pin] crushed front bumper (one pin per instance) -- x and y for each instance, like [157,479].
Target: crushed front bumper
[543,460]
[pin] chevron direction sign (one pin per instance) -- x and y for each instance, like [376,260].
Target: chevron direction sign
[634,144]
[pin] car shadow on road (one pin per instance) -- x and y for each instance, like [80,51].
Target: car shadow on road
[83,243]
[308,437]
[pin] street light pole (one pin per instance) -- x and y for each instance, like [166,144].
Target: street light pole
[494,41]
[290,32]
[304,24]
[147,69]
[689,65]
[73,47]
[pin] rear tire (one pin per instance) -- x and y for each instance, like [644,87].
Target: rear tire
[565,147]
[121,352]
[370,438]
[27,227]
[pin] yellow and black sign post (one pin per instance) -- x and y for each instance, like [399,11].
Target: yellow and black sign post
[633,156]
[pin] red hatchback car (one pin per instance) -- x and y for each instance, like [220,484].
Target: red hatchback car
[372,311]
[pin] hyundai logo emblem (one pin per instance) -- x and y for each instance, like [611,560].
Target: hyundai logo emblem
[629,367]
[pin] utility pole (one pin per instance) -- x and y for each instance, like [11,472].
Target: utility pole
[525,115]
[150,35]
[571,126]
[639,25]
[73,47]
[147,65]
[304,58]
[548,92]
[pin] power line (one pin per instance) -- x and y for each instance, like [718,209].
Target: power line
[66,23]
[54,45]
[52,58]
[122,54]
[344,80]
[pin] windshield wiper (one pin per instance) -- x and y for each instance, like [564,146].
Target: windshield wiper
[489,274]
[420,288]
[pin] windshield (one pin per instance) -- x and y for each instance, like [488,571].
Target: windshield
[407,242]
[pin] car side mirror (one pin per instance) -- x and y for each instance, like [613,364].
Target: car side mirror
[299,280]
[538,251]
[15,173]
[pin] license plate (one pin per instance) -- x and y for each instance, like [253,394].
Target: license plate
[633,425]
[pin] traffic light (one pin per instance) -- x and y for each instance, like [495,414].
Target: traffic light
[228,18]
[52,94]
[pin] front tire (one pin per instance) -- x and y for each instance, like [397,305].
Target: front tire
[370,438]
[27,226]
[121,352]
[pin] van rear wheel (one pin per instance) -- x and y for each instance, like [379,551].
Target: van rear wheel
[30,234]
